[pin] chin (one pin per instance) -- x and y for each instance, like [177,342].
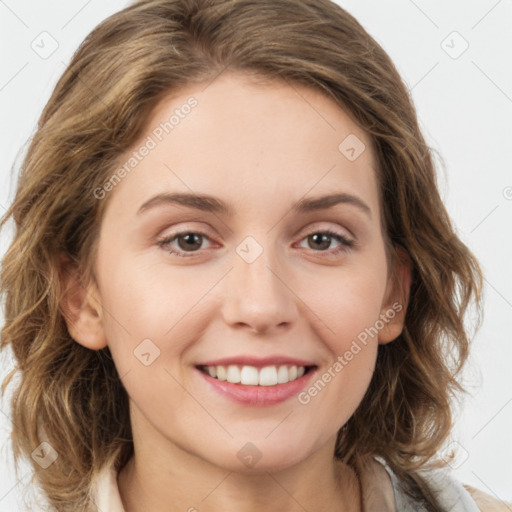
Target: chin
[252,457]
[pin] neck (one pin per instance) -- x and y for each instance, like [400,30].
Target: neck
[316,483]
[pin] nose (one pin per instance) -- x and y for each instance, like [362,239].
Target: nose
[258,296]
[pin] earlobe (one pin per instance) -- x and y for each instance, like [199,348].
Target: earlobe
[81,308]
[397,298]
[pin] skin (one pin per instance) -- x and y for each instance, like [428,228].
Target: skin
[260,148]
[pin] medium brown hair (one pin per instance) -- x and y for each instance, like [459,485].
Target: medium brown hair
[72,397]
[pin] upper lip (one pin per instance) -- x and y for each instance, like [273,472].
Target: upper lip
[258,362]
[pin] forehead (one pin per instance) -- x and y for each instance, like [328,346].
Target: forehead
[249,142]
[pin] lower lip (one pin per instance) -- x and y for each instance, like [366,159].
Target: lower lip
[258,396]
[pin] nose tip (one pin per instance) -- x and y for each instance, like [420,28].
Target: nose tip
[261,328]
[256,296]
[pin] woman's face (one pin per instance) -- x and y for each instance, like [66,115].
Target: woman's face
[253,280]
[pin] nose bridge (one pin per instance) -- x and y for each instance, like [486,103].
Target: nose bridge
[256,294]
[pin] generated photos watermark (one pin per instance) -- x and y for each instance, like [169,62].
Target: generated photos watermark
[151,142]
[343,360]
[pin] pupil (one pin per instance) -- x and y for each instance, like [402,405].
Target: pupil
[324,240]
[191,239]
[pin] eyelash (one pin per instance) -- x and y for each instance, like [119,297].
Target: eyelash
[345,246]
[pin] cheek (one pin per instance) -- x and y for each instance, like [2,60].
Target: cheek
[352,341]
[347,303]
[148,323]
[342,381]
[347,311]
[141,304]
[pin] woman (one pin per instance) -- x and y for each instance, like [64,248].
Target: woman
[180,338]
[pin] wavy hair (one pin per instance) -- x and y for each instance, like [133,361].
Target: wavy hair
[72,397]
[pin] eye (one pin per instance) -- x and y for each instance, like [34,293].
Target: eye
[323,239]
[188,242]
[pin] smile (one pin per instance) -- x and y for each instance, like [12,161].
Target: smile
[256,386]
[252,376]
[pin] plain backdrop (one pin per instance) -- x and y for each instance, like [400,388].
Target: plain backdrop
[456,59]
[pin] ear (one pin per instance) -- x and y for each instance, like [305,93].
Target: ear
[396,298]
[81,307]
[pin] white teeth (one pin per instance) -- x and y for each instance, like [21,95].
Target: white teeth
[268,376]
[249,376]
[221,372]
[233,374]
[282,375]
[252,376]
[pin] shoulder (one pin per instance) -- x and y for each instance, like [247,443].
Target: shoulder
[486,502]
[450,492]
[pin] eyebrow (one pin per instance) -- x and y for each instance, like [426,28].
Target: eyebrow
[212,204]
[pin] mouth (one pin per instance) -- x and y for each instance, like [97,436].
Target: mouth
[248,375]
[255,381]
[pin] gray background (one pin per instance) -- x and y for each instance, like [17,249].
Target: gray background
[464,102]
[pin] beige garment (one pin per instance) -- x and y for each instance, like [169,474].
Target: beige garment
[486,502]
